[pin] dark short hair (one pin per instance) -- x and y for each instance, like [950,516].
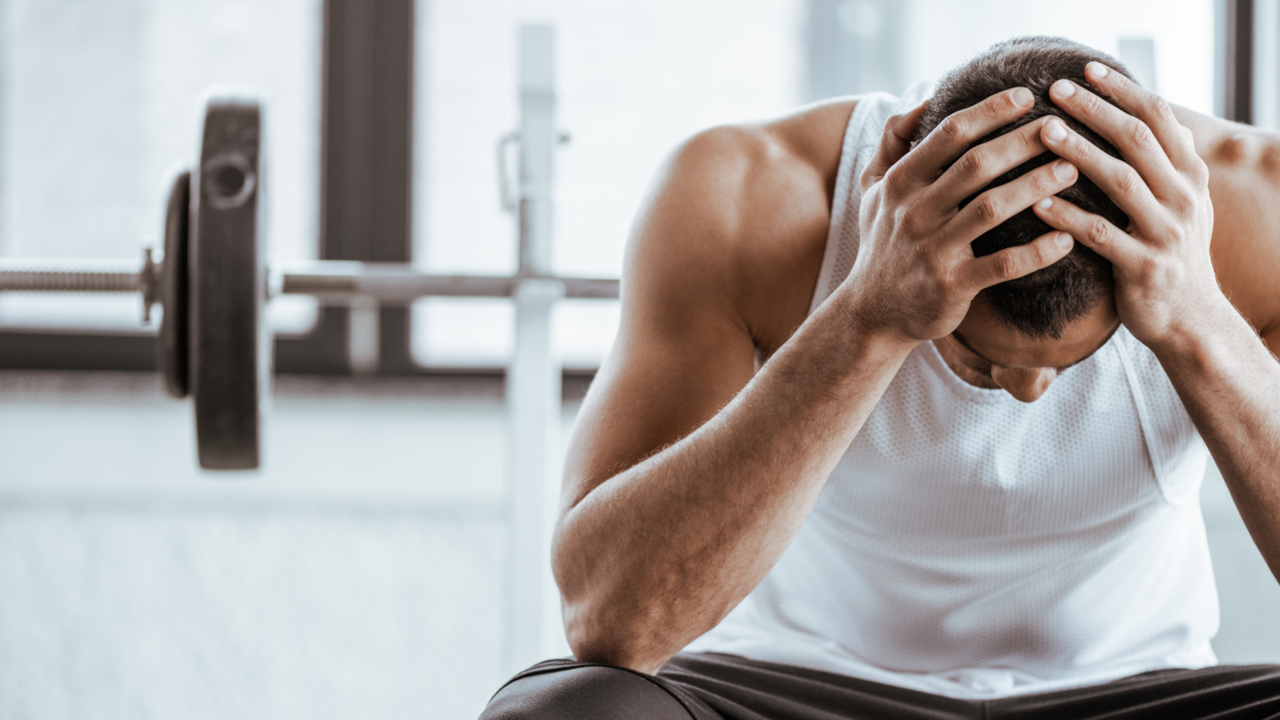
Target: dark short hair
[1043,303]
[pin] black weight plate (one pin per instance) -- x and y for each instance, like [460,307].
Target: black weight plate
[229,360]
[172,344]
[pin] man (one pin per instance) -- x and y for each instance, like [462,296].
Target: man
[867,445]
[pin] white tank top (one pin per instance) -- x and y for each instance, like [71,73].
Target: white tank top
[971,545]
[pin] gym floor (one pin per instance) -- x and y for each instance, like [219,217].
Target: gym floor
[360,574]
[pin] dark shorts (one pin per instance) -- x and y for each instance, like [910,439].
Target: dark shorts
[711,686]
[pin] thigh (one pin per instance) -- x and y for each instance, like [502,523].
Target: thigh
[559,689]
[1227,692]
[742,689]
[711,686]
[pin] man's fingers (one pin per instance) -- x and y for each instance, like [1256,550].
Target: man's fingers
[1015,262]
[1148,107]
[1126,187]
[1131,135]
[1094,231]
[1001,203]
[894,144]
[985,162]
[958,131]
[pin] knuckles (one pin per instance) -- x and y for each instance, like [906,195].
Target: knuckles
[950,285]
[953,129]
[974,163]
[1047,254]
[1141,136]
[1045,181]
[867,180]
[895,182]
[1147,266]
[1098,231]
[906,221]
[1090,103]
[1198,172]
[1079,150]
[1127,180]
[1160,108]
[988,208]
[1006,266]
[1184,202]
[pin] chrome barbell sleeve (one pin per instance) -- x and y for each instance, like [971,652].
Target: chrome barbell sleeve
[85,276]
[63,275]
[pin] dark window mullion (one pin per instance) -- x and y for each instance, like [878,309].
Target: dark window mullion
[1237,39]
[366,162]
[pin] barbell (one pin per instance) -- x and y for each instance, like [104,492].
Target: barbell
[213,343]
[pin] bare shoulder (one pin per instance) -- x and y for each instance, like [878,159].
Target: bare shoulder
[759,197]
[1244,182]
[719,269]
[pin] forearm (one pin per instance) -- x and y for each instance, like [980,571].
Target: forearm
[658,554]
[1230,385]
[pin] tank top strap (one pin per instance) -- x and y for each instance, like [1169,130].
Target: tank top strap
[861,138]
[1178,455]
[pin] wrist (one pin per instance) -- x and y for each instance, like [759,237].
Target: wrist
[869,323]
[1205,337]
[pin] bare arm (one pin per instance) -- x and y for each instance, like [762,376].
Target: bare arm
[1238,407]
[688,475]
[1167,290]
[1230,385]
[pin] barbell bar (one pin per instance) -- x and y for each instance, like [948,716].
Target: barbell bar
[213,342]
[333,281]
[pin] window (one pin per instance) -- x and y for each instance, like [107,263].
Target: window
[1266,70]
[905,43]
[97,100]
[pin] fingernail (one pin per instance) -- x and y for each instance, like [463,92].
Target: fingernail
[1062,168]
[1022,97]
[1099,70]
[1045,204]
[1064,88]
[1057,132]
[1063,240]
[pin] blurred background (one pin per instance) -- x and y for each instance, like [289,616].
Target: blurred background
[360,573]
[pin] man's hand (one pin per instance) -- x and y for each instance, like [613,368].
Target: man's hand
[1165,282]
[1167,292]
[916,273]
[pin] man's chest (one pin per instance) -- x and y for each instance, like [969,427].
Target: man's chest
[940,459]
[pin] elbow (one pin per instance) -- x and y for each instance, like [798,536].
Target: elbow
[602,637]
[604,624]
[587,637]
[594,628]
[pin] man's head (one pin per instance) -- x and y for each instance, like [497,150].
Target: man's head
[1044,304]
